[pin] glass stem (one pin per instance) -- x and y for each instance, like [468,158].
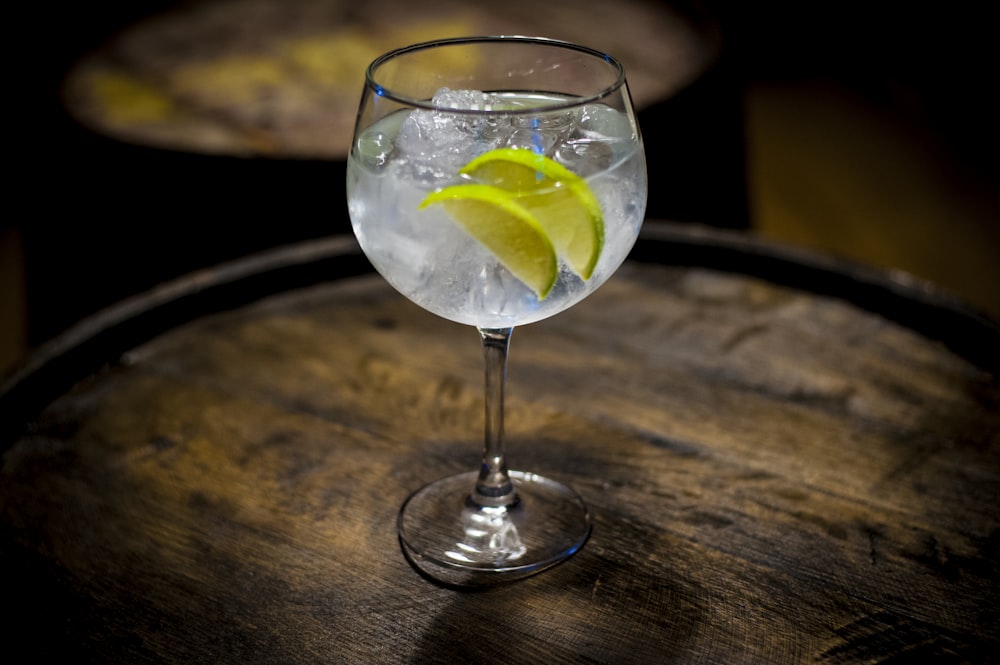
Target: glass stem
[494,487]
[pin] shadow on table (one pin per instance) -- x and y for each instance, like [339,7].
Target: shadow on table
[589,609]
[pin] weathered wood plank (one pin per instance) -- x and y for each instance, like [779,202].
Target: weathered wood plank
[774,477]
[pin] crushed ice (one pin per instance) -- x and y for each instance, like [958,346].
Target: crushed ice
[433,145]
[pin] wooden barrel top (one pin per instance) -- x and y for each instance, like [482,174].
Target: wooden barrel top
[282,78]
[788,460]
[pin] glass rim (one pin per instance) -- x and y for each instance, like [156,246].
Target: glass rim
[426,104]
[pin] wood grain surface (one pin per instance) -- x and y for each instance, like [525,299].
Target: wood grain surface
[774,476]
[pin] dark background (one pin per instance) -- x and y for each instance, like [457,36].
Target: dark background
[97,220]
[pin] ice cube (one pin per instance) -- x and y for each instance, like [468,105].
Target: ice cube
[602,121]
[541,133]
[467,100]
[586,156]
[591,147]
[373,149]
[434,144]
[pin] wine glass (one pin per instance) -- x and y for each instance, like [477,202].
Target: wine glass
[495,181]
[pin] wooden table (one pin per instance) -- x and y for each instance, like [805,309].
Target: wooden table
[788,460]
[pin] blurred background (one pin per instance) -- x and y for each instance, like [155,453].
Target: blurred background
[155,137]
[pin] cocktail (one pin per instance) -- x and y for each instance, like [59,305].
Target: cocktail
[495,181]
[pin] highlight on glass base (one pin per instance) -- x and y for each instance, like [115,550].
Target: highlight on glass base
[542,523]
[495,182]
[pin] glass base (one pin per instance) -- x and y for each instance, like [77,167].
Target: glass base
[449,538]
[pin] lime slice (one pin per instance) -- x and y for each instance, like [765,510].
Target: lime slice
[506,228]
[562,201]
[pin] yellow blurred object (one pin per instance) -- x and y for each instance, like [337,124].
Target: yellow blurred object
[332,59]
[283,79]
[129,100]
[238,79]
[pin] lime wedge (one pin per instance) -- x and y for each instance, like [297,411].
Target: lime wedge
[506,228]
[560,200]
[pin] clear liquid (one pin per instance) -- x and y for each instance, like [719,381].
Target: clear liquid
[428,257]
